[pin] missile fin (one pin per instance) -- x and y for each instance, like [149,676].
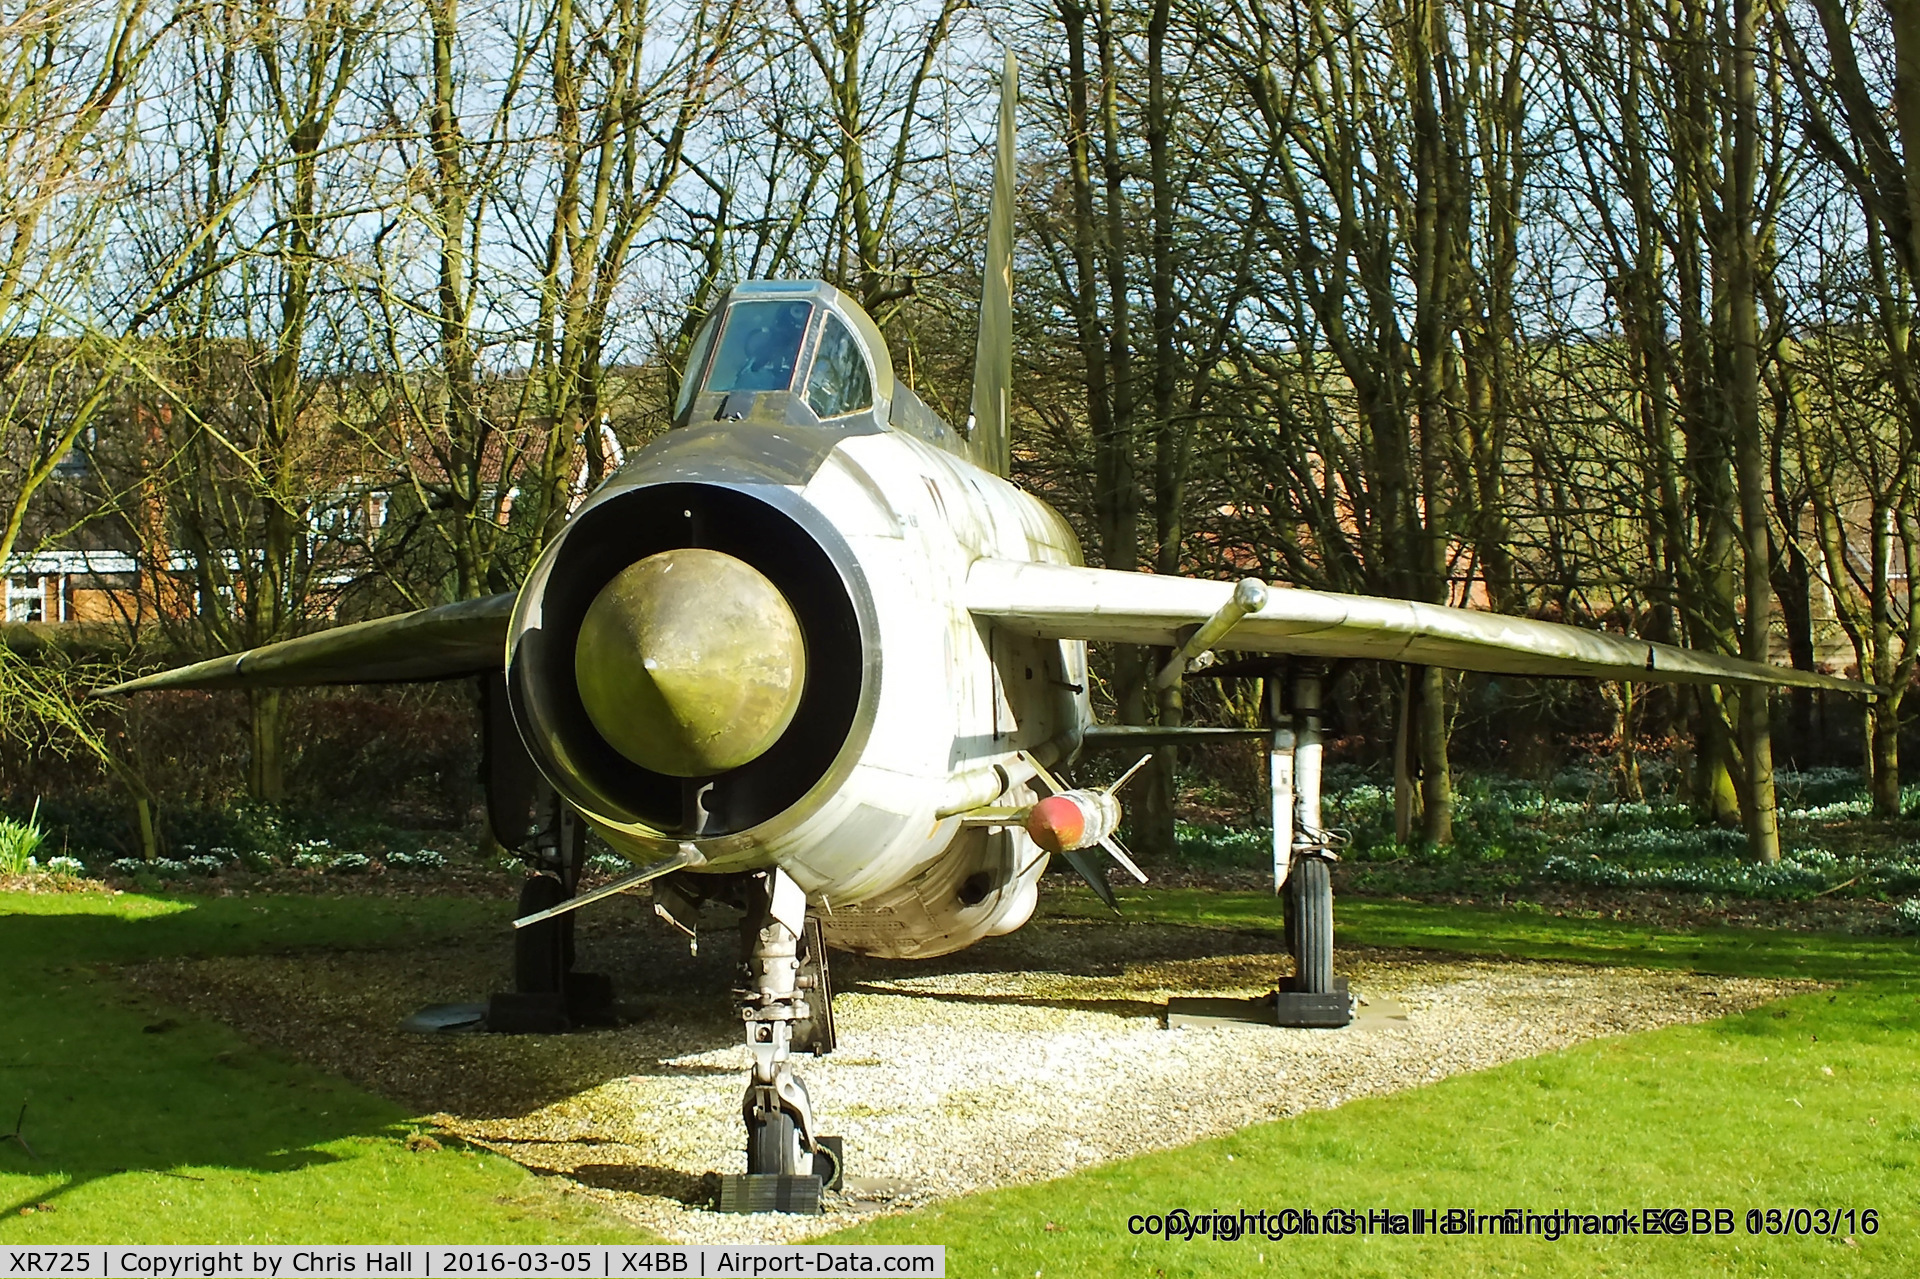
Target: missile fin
[1128,775]
[1119,854]
[1096,880]
[1053,784]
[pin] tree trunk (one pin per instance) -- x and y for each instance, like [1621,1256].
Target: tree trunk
[1626,759]
[1099,249]
[1713,791]
[1436,781]
[1883,756]
[1153,826]
[1436,304]
[1406,798]
[266,768]
[1793,583]
[1749,449]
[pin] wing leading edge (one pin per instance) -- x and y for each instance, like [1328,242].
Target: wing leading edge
[466,638]
[1054,601]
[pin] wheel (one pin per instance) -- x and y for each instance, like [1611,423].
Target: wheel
[1309,914]
[773,1144]
[542,951]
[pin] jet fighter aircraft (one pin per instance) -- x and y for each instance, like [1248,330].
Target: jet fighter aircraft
[811,654]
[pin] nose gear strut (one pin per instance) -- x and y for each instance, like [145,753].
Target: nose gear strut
[785,991]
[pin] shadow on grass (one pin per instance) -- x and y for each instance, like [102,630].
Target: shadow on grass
[281,1162]
[114,1089]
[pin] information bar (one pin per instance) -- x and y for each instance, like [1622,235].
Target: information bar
[453,1261]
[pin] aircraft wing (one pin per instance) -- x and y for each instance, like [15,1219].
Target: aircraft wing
[1054,601]
[466,638]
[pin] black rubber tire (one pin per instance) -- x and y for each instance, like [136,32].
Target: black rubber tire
[771,1144]
[1309,913]
[540,951]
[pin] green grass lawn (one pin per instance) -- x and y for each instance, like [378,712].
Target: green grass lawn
[188,1134]
[147,1128]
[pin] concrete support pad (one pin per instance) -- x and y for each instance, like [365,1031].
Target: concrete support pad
[1211,1011]
[1377,1011]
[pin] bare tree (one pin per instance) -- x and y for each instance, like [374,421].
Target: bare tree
[239,272]
[1871,55]
[67,74]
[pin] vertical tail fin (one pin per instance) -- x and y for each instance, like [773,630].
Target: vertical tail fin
[993,355]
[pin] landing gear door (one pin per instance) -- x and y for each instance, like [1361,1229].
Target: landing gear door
[506,770]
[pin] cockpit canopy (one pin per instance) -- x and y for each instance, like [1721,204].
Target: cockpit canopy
[798,352]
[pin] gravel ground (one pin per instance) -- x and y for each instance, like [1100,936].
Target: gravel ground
[1025,1058]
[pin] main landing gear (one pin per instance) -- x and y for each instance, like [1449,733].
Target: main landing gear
[1302,853]
[548,996]
[786,1004]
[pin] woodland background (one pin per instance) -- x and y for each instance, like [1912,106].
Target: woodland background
[1598,312]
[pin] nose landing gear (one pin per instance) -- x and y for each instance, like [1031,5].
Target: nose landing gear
[786,1005]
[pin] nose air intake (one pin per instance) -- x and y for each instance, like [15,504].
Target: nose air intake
[690,659]
[690,663]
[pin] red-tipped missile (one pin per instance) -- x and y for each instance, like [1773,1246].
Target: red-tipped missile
[1073,819]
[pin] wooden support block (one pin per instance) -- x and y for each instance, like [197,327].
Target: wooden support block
[769,1192]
